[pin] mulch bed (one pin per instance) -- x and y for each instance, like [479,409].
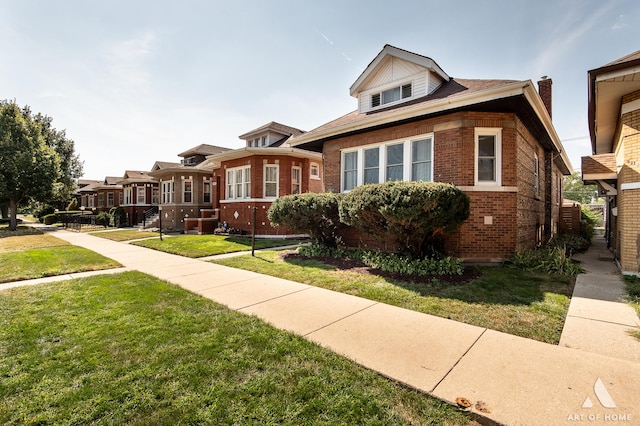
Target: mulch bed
[346,264]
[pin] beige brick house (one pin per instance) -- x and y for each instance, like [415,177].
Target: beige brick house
[614,126]
[494,139]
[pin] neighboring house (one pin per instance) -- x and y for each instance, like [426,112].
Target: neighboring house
[186,188]
[253,176]
[101,195]
[141,196]
[493,139]
[614,126]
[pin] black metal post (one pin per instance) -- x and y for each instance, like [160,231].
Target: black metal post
[160,224]
[253,233]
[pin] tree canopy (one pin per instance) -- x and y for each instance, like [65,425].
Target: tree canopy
[37,161]
[574,189]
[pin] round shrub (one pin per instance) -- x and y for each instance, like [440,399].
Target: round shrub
[50,219]
[413,214]
[315,214]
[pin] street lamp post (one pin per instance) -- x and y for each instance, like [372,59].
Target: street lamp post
[81,216]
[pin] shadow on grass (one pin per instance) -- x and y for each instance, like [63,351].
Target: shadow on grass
[478,285]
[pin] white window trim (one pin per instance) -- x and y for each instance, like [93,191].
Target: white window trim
[166,194]
[380,90]
[407,160]
[206,183]
[489,131]
[144,195]
[264,181]
[128,197]
[232,171]
[184,191]
[299,169]
[315,176]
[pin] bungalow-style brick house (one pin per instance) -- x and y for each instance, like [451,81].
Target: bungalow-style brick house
[614,127]
[141,195]
[493,139]
[266,168]
[186,188]
[101,195]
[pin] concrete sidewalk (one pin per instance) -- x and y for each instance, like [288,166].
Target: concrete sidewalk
[599,320]
[509,379]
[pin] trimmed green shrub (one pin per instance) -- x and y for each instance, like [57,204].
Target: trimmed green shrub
[414,214]
[118,216]
[315,214]
[389,262]
[50,219]
[104,218]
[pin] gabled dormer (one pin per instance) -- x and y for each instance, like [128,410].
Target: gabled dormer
[396,76]
[270,135]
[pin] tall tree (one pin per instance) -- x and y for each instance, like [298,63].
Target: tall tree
[29,167]
[574,189]
[70,164]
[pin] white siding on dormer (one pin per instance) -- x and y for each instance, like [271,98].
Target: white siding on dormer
[420,82]
[391,70]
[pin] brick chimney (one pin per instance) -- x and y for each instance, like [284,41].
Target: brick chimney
[544,89]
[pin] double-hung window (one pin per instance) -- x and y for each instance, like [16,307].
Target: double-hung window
[239,183]
[271,181]
[372,165]
[127,195]
[140,195]
[187,192]
[350,170]
[421,162]
[206,192]
[488,156]
[110,199]
[167,192]
[395,162]
[296,183]
[410,159]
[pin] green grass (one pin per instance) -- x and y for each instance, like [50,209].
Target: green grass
[131,349]
[36,255]
[124,234]
[527,304]
[209,245]
[633,298]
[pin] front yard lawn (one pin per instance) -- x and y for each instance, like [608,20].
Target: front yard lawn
[125,234]
[131,349]
[209,245]
[531,305]
[35,255]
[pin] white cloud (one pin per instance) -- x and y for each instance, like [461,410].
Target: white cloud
[620,23]
[126,59]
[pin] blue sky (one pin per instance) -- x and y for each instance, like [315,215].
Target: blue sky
[133,82]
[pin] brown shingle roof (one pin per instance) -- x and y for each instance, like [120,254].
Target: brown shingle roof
[203,149]
[599,164]
[449,90]
[276,127]
[627,58]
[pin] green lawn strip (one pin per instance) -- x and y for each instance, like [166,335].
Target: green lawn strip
[633,297]
[131,349]
[526,304]
[124,235]
[49,261]
[208,245]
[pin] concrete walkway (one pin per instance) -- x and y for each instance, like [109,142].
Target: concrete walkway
[599,320]
[508,379]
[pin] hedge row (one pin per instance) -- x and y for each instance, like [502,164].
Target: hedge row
[412,214]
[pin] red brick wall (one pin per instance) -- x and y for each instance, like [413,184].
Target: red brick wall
[500,221]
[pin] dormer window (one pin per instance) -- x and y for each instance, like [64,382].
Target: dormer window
[391,95]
